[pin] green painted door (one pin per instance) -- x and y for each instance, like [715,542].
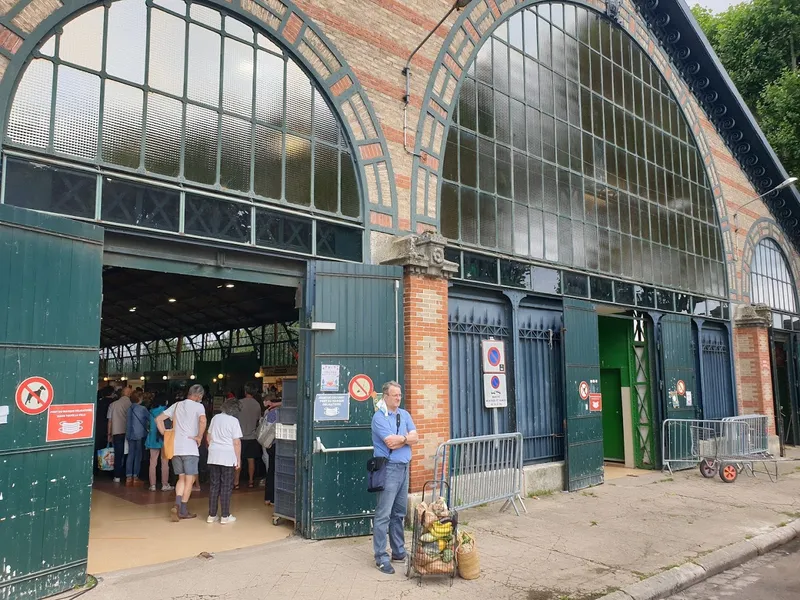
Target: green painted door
[613,438]
[677,355]
[353,326]
[584,451]
[679,366]
[50,282]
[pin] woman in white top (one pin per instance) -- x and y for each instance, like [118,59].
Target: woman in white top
[224,459]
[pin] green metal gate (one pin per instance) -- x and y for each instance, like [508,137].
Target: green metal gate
[678,373]
[50,281]
[584,452]
[352,325]
[679,366]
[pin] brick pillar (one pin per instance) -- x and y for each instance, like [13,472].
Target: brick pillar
[753,365]
[427,392]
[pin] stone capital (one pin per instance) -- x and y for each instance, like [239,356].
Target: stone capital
[422,254]
[753,315]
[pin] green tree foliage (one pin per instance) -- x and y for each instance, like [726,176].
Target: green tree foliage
[758,43]
[779,108]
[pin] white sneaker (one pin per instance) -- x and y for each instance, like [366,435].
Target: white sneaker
[116,480]
[152,488]
[167,488]
[226,520]
[211,519]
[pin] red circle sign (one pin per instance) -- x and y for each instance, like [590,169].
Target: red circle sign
[34,395]
[681,387]
[583,390]
[361,388]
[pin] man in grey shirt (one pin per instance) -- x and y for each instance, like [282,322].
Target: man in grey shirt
[117,426]
[248,417]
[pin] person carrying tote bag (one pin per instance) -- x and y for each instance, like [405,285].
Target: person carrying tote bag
[169,439]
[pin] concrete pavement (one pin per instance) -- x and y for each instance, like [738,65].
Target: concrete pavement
[581,545]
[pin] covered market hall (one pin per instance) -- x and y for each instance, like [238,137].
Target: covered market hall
[256,193]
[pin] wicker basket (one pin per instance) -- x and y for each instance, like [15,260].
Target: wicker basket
[469,563]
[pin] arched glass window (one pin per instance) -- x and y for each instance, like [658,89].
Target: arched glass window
[771,281]
[569,148]
[183,94]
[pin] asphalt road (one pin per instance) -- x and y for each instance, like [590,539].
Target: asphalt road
[774,576]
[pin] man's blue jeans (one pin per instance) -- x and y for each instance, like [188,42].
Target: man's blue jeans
[390,513]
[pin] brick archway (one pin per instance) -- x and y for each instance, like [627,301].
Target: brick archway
[24,23]
[765,229]
[473,27]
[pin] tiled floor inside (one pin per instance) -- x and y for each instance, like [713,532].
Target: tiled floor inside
[130,526]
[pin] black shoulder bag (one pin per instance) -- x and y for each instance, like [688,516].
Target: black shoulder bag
[377,466]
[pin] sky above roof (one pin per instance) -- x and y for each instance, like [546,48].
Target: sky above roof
[715,5]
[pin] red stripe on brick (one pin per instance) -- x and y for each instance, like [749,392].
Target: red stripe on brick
[292,29]
[364,34]
[380,219]
[370,82]
[405,224]
[494,8]
[453,65]
[341,86]
[371,151]
[403,181]
[430,161]
[434,106]
[472,31]
[9,40]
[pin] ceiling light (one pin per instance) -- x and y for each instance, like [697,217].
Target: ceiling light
[164,377]
[171,300]
[214,380]
[192,377]
[259,374]
[142,377]
[220,376]
[229,285]
[132,309]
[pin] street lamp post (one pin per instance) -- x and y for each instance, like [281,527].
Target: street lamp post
[783,184]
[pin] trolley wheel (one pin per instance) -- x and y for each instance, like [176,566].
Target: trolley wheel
[708,468]
[276,521]
[728,472]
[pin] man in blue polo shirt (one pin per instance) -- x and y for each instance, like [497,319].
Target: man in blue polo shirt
[393,433]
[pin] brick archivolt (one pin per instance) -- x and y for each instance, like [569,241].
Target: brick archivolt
[24,23]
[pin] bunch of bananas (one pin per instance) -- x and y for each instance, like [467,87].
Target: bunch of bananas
[441,530]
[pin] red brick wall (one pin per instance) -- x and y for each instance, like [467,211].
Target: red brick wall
[753,374]
[427,395]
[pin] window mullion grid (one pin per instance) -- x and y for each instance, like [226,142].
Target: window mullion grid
[145,88]
[312,199]
[184,99]
[54,94]
[283,199]
[103,56]
[218,162]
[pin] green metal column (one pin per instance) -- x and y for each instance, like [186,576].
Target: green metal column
[50,282]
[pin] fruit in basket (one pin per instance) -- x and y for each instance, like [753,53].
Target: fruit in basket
[440,530]
[447,555]
[442,544]
[427,538]
[431,549]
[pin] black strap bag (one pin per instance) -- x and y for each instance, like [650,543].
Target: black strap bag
[377,467]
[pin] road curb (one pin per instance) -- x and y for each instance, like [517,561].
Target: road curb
[679,578]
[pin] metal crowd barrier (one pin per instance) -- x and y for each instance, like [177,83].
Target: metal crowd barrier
[482,469]
[758,430]
[709,444]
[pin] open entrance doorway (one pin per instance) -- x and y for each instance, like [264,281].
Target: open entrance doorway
[625,375]
[161,332]
[784,356]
